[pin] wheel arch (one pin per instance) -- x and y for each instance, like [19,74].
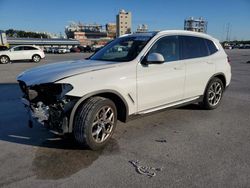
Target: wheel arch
[117,98]
[221,76]
[36,54]
[5,55]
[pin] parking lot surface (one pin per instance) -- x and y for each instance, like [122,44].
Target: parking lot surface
[194,147]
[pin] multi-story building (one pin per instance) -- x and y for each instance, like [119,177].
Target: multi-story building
[194,24]
[123,23]
[111,30]
[86,33]
[142,28]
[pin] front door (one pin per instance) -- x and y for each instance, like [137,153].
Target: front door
[18,53]
[161,84]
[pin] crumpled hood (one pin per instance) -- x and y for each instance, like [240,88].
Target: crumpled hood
[56,71]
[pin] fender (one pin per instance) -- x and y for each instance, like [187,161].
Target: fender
[95,93]
[217,74]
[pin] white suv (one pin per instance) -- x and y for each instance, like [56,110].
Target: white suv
[149,72]
[24,52]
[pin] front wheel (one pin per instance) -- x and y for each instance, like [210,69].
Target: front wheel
[36,58]
[95,122]
[213,94]
[4,59]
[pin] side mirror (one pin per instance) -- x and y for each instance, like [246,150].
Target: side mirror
[155,58]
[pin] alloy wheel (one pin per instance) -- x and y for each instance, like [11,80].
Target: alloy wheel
[4,59]
[214,93]
[36,58]
[103,124]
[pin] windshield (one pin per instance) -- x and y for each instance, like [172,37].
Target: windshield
[122,49]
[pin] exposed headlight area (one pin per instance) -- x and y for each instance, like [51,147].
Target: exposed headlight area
[49,104]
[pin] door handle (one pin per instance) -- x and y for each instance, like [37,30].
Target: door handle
[178,68]
[209,62]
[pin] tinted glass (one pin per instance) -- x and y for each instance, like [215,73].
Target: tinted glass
[168,47]
[193,47]
[29,48]
[212,48]
[122,49]
[3,48]
[18,48]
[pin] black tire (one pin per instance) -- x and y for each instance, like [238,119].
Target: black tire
[36,58]
[4,59]
[85,126]
[210,103]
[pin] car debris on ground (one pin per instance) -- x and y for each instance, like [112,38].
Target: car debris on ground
[145,170]
[161,140]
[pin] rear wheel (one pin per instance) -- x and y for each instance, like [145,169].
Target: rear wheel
[213,94]
[95,122]
[36,58]
[4,59]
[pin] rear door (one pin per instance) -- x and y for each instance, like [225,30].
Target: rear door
[199,65]
[29,51]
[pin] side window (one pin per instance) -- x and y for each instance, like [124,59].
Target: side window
[212,48]
[29,48]
[168,47]
[193,47]
[19,48]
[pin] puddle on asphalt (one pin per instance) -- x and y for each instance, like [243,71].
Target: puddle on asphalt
[56,163]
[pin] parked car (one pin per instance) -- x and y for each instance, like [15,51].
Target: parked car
[158,70]
[96,48]
[22,52]
[3,48]
[247,46]
[87,49]
[75,50]
[81,48]
[62,50]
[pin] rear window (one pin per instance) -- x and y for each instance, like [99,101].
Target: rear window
[193,47]
[211,46]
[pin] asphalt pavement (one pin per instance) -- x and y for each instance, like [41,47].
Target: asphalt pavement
[194,147]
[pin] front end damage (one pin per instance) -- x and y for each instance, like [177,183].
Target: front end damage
[49,105]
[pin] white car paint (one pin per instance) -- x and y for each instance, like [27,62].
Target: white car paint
[15,54]
[144,88]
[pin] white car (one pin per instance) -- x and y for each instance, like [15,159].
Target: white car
[22,52]
[156,71]
[62,50]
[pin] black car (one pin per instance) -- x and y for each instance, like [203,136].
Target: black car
[87,49]
[3,48]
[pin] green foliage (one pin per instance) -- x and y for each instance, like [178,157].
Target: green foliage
[24,34]
[236,42]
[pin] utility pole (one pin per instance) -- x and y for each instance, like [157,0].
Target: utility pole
[228,30]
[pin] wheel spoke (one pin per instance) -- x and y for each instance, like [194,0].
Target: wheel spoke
[103,137]
[96,133]
[103,123]
[218,91]
[214,93]
[106,113]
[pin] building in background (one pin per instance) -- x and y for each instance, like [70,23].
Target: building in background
[87,34]
[3,39]
[43,43]
[111,30]
[142,28]
[194,24]
[123,23]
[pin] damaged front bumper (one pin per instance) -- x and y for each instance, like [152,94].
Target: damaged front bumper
[48,105]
